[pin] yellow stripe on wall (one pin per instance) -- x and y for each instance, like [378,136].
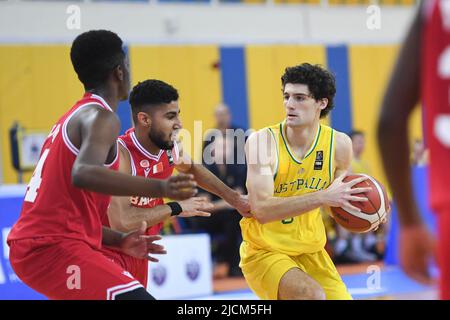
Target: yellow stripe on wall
[37,85]
[190,70]
[265,66]
[370,69]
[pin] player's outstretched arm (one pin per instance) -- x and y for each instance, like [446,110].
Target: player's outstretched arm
[125,214]
[261,163]
[98,131]
[211,183]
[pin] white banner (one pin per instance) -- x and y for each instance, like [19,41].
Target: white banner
[185,271]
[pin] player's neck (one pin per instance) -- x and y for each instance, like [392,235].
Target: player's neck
[107,94]
[302,137]
[146,142]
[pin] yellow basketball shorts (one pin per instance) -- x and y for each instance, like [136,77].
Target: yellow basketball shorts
[263,271]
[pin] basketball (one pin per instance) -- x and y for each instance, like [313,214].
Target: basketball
[373,212]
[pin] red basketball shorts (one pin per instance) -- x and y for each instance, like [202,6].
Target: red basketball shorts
[138,268]
[68,269]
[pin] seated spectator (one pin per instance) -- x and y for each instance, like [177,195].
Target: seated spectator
[223,225]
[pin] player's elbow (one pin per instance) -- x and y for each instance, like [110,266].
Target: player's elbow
[126,225]
[118,221]
[80,176]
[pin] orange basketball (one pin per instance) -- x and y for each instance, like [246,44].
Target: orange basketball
[373,212]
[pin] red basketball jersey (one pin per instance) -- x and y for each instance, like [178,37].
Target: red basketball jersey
[436,96]
[145,164]
[53,206]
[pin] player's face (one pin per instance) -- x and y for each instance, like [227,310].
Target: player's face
[165,125]
[301,107]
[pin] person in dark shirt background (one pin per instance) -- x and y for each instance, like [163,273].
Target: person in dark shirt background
[223,155]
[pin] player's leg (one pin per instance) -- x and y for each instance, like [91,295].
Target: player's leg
[443,243]
[273,276]
[320,267]
[297,285]
[137,294]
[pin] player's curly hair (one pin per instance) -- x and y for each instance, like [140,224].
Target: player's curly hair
[94,55]
[151,93]
[320,82]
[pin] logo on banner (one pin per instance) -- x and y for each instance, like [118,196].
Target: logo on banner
[159,274]
[192,270]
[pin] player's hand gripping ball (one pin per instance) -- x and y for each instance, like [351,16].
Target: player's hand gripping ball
[373,212]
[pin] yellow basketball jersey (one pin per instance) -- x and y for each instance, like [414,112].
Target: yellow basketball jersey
[293,177]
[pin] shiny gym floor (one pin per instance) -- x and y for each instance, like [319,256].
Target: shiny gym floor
[364,282]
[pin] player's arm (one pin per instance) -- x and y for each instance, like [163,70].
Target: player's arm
[261,156]
[98,131]
[343,154]
[342,158]
[209,182]
[260,184]
[123,216]
[416,245]
[401,97]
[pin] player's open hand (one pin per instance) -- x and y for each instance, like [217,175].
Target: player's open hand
[180,187]
[140,245]
[198,206]
[417,250]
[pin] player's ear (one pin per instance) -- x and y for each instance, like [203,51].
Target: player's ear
[118,72]
[144,119]
[323,103]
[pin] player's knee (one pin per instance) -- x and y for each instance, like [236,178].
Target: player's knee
[137,294]
[312,292]
[316,293]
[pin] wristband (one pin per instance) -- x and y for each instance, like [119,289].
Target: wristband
[175,207]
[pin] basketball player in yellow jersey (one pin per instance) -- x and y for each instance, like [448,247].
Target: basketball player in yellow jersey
[292,167]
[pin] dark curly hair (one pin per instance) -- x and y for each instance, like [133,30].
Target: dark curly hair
[151,93]
[94,55]
[320,82]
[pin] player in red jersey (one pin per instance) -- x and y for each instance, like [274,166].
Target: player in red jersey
[150,150]
[55,245]
[422,72]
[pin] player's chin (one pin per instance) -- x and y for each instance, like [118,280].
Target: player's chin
[169,144]
[293,121]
